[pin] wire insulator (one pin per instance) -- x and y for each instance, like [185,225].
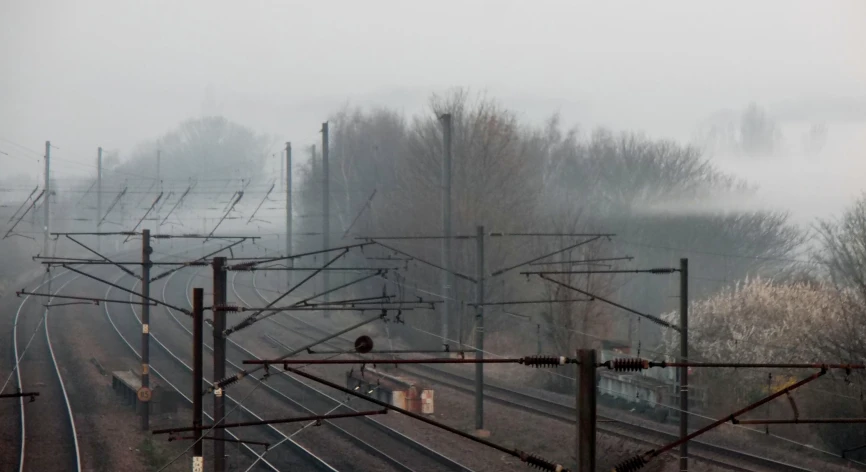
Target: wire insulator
[228,381]
[540,463]
[544,361]
[630,465]
[629,365]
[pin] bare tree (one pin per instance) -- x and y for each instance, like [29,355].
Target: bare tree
[510,176]
[815,140]
[843,253]
[759,135]
[201,146]
[751,132]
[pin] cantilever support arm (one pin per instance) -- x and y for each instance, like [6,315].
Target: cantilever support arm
[653,318]
[258,315]
[360,212]
[240,195]
[170,271]
[635,463]
[253,262]
[176,204]
[103,257]
[506,269]
[73,297]
[111,207]
[25,202]
[30,207]
[252,318]
[152,206]
[152,300]
[435,266]
[264,199]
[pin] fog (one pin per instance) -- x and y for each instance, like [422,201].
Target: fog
[112,74]
[727,133]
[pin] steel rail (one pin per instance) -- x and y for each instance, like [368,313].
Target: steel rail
[317,462]
[17,367]
[433,454]
[537,405]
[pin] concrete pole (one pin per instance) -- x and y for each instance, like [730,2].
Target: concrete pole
[98,195]
[158,177]
[145,323]
[47,203]
[447,275]
[684,357]
[479,332]
[586,411]
[219,358]
[197,338]
[289,208]
[326,206]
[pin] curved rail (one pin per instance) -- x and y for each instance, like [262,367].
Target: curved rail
[157,372]
[555,410]
[17,367]
[63,384]
[317,462]
[431,453]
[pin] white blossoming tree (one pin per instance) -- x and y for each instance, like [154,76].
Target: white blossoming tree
[762,321]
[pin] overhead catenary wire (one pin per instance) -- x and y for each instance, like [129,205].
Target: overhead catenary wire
[691,413]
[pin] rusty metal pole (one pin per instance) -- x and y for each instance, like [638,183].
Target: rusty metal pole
[586,410]
[479,331]
[289,262]
[219,359]
[46,203]
[98,196]
[684,357]
[197,329]
[447,275]
[146,250]
[326,206]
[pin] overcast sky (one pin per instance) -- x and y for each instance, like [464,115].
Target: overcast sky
[113,73]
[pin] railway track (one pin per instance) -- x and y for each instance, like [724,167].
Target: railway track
[700,450]
[386,446]
[175,372]
[47,429]
[398,450]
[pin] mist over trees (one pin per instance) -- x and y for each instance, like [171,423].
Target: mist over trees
[204,148]
[509,175]
[751,132]
[200,147]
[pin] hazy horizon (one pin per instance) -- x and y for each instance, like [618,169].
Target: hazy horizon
[114,74]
